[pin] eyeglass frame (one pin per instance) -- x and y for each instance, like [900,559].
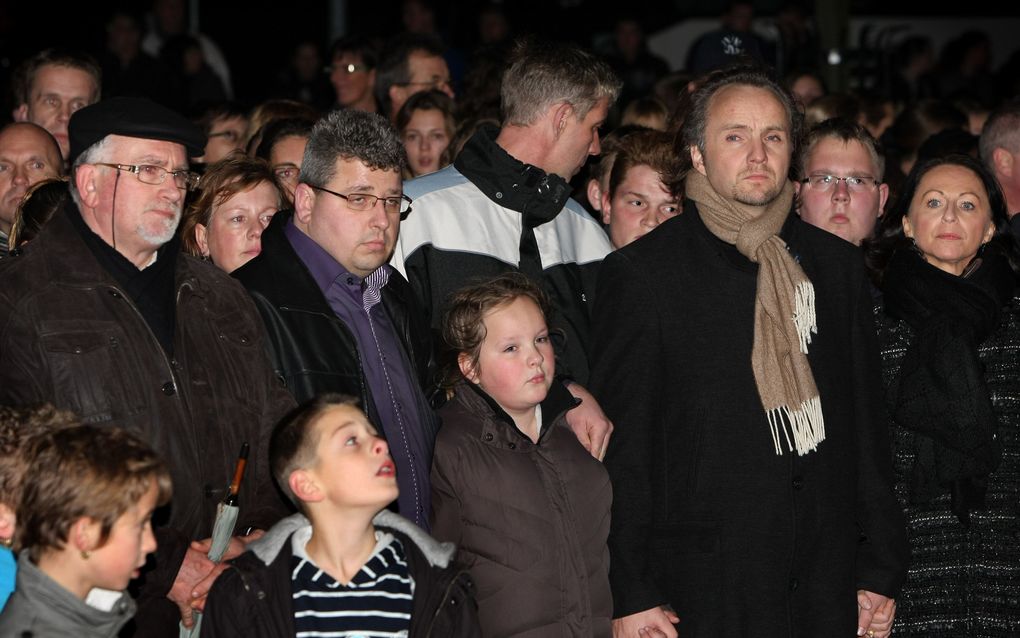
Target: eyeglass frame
[192,177]
[347,198]
[874,181]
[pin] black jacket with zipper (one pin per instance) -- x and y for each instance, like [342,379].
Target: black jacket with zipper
[254,599]
[311,348]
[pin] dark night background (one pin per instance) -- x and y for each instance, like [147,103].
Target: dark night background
[257,36]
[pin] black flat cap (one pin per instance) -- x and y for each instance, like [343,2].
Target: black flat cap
[132,117]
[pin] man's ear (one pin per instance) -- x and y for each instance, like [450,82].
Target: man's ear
[594,194]
[304,200]
[202,239]
[85,178]
[607,212]
[796,194]
[1002,162]
[84,534]
[698,160]
[467,368]
[20,114]
[304,486]
[883,197]
[561,114]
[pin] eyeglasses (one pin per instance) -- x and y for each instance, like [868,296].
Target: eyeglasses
[364,201]
[348,68]
[156,175]
[854,183]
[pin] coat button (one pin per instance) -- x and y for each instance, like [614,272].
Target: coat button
[114,294]
[798,482]
[488,436]
[793,584]
[512,446]
[168,388]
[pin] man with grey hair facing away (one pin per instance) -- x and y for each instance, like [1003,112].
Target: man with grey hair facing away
[1000,151]
[504,205]
[340,319]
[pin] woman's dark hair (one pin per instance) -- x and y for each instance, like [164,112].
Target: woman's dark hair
[890,237]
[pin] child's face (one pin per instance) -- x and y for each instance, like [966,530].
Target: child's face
[353,465]
[640,203]
[515,363]
[130,541]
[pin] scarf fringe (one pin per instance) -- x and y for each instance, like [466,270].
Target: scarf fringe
[804,313]
[806,424]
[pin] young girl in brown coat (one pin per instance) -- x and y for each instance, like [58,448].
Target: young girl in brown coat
[525,503]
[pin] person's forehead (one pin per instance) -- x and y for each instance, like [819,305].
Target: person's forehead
[742,103]
[848,155]
[291,147]
[348,57]
[354,171]
[339,416]
[57,78]
[230,121]
[24,140]
[426,63]
[426,118]
[644,174]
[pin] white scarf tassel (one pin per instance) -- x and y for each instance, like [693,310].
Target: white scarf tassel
[804,314]
[806,424]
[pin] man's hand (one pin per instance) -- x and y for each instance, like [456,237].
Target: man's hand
[237,546]
[875,614]
[588,422]
[651,623]
[194,570]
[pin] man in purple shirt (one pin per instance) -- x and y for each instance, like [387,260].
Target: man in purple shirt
[339,318]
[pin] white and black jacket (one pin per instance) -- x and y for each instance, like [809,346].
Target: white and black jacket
[489,213]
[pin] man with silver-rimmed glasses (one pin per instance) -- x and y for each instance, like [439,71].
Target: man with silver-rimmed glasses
[340,319]
[103,315]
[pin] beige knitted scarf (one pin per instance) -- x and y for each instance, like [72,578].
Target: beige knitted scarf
[784,314]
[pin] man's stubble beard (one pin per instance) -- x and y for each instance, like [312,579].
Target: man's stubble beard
[754,199]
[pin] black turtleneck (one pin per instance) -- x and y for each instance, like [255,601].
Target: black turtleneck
[151,289]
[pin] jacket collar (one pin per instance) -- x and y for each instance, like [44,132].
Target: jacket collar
[557,402]
[291,282]
[70,261]
[510,183]
[45,594]
[438,554]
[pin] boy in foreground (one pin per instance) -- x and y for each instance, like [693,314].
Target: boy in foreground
[344,563]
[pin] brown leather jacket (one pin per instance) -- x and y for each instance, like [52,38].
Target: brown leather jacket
[530,520]
[70,336]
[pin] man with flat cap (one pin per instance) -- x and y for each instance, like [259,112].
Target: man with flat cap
[102,314]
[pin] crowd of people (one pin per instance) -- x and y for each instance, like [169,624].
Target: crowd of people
[584,348]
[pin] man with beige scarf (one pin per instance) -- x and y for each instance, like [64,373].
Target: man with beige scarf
[751,472]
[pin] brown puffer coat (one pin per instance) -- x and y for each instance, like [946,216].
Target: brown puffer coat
[531,520]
